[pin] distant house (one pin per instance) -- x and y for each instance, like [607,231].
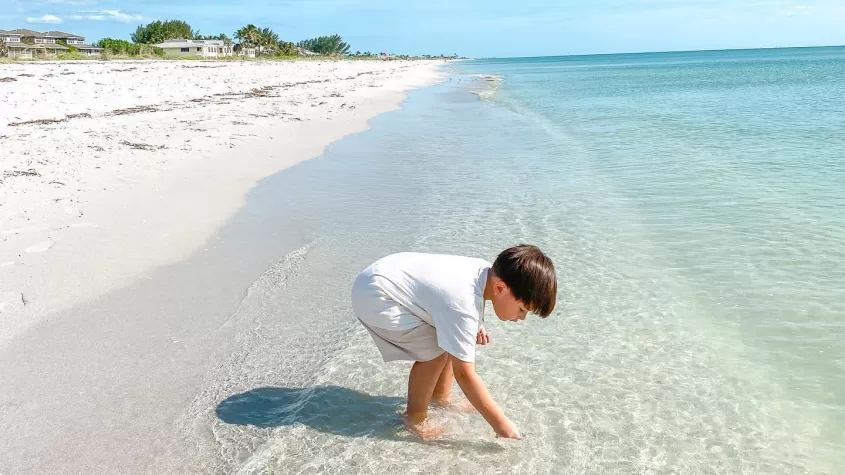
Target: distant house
[203,48]
[29,44]
[76,41]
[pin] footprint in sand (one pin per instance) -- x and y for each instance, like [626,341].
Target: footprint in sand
[40,247]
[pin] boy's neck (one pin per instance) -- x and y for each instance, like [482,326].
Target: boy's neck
[488,287]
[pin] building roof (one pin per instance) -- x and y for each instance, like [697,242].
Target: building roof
[25,32]
[62,35]
[48,34]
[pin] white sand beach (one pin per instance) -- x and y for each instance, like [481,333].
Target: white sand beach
[115,179]
[110,169]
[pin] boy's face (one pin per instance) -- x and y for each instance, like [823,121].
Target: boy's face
[506,306]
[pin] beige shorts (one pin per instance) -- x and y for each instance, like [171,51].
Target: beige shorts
[372,305]
[416,344]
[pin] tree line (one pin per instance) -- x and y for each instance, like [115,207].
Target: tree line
[265,41]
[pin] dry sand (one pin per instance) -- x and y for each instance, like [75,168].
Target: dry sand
[111,169]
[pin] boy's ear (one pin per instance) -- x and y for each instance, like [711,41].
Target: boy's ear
[500,287]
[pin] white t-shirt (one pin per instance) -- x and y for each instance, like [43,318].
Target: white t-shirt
[446,292]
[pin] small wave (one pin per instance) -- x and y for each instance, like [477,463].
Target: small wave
[485,94]
[490,77]
[280,272]
[486,85]
[272,280]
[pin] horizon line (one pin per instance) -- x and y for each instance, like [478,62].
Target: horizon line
[662,52]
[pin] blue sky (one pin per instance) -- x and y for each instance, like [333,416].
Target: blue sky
[476,28]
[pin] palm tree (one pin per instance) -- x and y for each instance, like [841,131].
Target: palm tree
[249,35]
[287,48]
[326,45]
[268,40]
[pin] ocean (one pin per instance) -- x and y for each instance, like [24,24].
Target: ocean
[694,205]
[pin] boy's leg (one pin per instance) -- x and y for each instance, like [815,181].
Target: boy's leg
[443,388]
[443,391]
[421,383]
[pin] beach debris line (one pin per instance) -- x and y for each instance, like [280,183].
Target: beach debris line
[16,173]
[36,122]
[219,98]
[83,115]
[29,172]
[260,91]
[133,110]
[142,146]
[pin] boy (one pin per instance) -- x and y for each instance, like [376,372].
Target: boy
[429,308]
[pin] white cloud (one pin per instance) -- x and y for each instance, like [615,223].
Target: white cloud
[797,10]
[44,19]
[106,15]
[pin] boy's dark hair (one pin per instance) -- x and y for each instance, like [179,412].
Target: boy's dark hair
[530,275]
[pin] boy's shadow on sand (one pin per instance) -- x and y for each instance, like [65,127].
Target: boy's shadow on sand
[331,409]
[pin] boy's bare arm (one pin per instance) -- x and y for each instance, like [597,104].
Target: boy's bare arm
[475,390]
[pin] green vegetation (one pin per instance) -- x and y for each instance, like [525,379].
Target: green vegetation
[221,36]
[265,41]
[3,49]
[70,48]
[326,45]
[113,47]
[158,31]
[72,55]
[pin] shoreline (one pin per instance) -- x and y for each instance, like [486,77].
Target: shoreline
[131,378]
[127,183]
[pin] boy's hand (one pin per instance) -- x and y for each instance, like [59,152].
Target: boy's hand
[508,430]
[477,394]
[482,338]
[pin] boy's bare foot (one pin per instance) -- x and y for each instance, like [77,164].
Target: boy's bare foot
[424,429]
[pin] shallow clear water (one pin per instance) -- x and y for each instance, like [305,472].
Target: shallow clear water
[694,204]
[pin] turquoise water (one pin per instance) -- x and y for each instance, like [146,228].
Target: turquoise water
[694,204]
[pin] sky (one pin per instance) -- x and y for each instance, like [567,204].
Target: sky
[474,28]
